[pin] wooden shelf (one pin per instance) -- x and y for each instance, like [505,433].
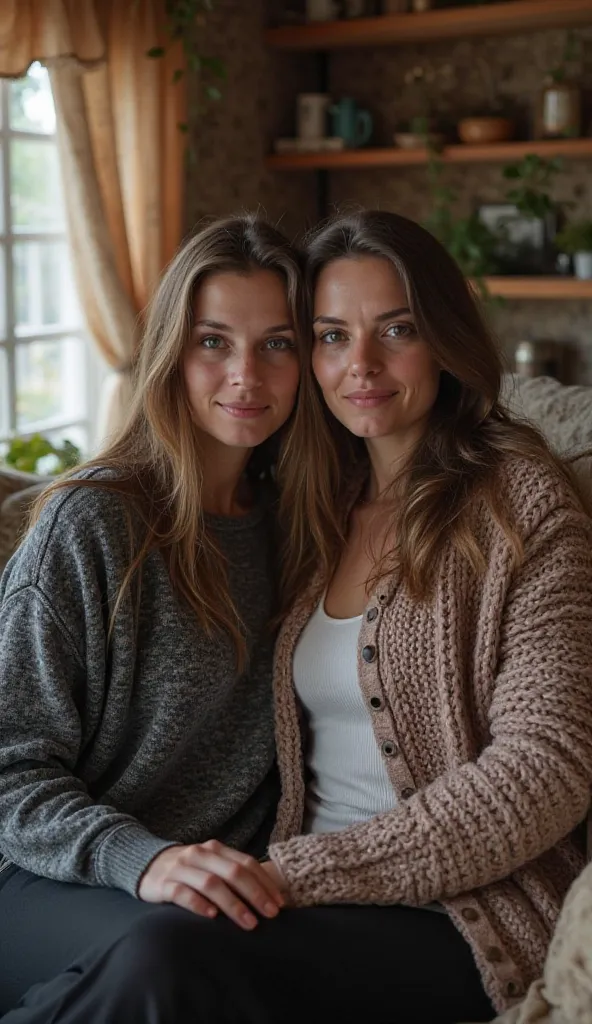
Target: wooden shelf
[566,288]
[385,156]
[513,16]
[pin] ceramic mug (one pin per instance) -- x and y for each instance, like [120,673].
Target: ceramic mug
[311,115]
[351,123]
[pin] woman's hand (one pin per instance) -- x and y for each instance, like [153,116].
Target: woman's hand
[274,873]
[208,877]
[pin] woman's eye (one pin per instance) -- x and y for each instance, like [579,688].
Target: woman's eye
[212,342]
[279,344]
[331,337]
[400,330]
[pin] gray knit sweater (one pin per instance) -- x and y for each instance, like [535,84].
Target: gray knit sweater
[109,753]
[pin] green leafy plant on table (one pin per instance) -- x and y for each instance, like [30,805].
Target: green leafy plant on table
[37,454]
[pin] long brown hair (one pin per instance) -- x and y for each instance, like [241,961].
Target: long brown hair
[155,458]
[468,437]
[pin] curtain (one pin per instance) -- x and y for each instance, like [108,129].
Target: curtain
[121,156]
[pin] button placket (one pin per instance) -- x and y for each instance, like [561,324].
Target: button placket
[373,691]
[484,939]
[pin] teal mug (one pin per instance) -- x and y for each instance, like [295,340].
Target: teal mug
[350,123]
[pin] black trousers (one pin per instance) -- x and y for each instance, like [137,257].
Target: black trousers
[75,955]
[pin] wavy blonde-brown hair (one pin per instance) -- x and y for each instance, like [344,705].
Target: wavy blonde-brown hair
[468,437]
[155,458]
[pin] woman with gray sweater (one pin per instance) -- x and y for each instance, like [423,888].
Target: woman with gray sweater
[136,734]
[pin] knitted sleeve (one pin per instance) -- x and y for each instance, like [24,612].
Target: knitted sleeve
[529,787]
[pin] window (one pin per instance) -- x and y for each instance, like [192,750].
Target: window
[44,352]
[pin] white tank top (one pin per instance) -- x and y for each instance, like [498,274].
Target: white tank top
[349,782]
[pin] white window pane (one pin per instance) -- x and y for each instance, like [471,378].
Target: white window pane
[31,102]
[4,410]
[2,145]
[50,382]
[2,291]
[44,292]
[36,198]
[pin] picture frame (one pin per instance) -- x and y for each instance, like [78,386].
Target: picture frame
[525,243]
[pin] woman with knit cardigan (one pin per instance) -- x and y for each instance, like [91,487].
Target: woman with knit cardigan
[434,678]
[433,683]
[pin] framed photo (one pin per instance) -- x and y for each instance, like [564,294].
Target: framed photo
[525,243]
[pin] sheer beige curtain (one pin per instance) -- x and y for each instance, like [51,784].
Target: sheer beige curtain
[121,155]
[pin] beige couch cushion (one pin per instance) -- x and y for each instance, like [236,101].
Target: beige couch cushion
[562,412]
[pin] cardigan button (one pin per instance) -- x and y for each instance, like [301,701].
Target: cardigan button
[389,748]
[407,793]
[513,989]
[470,914]
[494,954]
[371,614]
[375,703]
[369,652]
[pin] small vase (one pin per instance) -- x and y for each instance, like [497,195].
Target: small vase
[583,265]
[559,111]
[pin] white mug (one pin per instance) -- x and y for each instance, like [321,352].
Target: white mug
[321,10]
[311,115]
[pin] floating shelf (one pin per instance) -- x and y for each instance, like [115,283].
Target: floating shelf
[385,156]
[566,288]
[513,16]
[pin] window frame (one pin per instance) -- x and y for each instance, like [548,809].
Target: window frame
[10,339]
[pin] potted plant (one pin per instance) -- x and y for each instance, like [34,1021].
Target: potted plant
[530,193]
[558,113]
[421,129]
[576,240]
[37,454]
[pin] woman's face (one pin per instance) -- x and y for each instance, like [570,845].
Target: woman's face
[377,375]
[241,366]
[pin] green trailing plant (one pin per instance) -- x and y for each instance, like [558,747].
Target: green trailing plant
[185,20]
[532,179]
[37,454]
[575,237]
[468,240]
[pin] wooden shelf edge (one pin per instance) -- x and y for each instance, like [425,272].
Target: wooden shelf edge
[512,16]
[539,288]
[386,156]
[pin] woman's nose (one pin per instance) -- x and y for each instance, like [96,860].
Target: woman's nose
[244,371]
[364,357]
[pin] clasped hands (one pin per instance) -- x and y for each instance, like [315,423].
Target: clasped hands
[209,878]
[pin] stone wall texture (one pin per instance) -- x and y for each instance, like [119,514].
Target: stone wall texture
[233,136]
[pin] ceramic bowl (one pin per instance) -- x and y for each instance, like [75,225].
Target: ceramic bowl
[480,130]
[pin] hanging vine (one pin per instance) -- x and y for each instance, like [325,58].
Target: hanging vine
[185,22]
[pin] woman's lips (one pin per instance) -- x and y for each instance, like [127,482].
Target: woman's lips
[243,412]
[370,399]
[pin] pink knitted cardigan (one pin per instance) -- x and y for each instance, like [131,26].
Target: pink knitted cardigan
[481,703]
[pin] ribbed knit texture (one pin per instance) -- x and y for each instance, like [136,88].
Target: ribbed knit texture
[348,780]
[487,690]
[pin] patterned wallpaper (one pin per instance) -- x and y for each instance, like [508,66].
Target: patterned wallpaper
[234,135]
